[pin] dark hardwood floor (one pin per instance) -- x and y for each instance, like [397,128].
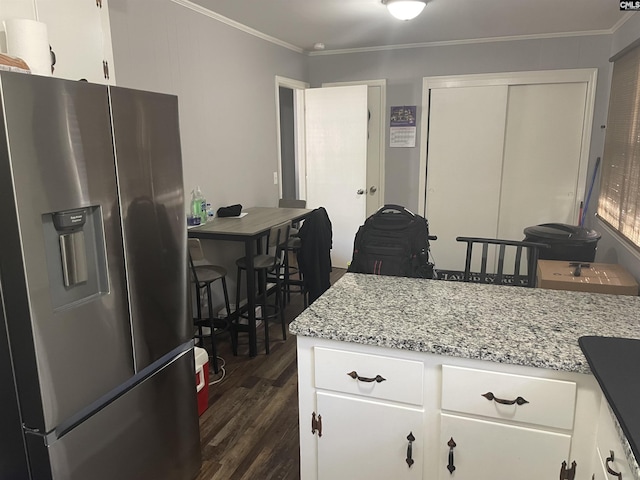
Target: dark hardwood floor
[250,430]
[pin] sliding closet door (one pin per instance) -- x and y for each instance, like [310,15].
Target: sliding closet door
[504,152]
[543,141]
[466,138]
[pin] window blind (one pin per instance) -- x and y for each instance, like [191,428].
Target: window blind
[619,200]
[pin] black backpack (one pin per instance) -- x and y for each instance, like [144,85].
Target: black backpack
[393,241]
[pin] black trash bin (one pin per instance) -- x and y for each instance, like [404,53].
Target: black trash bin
[566,242]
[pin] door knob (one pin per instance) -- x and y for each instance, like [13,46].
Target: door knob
[373,189]
[360,191]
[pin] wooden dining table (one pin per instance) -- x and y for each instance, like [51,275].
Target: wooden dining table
[250,228]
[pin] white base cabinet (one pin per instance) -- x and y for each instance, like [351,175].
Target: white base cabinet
[370,399]
[611,462]
[487,450]
[368,439]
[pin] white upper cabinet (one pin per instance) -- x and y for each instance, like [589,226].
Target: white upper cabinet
[80,37]
[79,34]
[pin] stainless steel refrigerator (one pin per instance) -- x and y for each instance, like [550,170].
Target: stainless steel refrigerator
[96,356]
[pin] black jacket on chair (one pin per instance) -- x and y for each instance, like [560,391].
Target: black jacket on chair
[314,259]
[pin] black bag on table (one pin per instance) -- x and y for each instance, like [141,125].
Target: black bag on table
[393,241]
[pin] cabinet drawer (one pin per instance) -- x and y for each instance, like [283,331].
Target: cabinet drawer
[608,442]
[550,402]
[403,379]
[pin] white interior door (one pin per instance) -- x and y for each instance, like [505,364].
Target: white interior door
[336,161]
[466,135]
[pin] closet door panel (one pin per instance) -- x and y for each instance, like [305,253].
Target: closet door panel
[464,167]
[542,150]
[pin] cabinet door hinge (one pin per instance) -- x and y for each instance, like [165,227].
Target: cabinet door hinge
[105,69]
[99,3]
[316,424]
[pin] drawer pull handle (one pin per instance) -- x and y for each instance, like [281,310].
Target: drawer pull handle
[355,376]
[450,466]
[611,458]
[490,396]
[316,424]
[411,439]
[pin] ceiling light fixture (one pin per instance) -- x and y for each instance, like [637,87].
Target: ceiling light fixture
[405,9]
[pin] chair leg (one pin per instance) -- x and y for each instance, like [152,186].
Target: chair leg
[230,319]
[265,313]
[287,285]
[236,314]
[214,350]
[280,299]
[199,314]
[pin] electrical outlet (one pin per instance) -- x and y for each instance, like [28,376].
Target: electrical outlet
[275,178]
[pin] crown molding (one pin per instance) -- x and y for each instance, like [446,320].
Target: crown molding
[622,21]
[463,42]
[232,23]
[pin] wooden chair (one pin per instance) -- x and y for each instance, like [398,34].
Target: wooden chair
[498,277]
[203,276]
[263,265]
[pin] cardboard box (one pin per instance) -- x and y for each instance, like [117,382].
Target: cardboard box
[596,278]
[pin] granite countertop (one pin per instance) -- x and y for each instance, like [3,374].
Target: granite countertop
[521,326]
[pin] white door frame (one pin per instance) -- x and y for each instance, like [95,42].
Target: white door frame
[382,83]
[298,88]
[588,75]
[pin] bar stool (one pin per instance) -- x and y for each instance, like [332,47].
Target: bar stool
[263,265]
[203,275]
[293,247]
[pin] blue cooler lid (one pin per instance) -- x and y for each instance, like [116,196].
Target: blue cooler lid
[562,233]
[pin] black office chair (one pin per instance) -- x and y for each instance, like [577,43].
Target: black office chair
[203,275]
[499,276]
[269,280]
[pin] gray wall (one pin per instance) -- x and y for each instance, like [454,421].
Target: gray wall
[225,81]
[405,69]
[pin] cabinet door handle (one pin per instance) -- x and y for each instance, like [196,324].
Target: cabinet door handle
[490,396]
[377,378]
[316,424]
[568,473]
[411,439]
[611,458]
[450,466]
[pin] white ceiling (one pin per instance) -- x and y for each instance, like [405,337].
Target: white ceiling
[366,24]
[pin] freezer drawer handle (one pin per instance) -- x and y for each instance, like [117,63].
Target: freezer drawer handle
[450,466]
[316,424]
[490,396]
[411,439]
[611,458]
[377,378]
